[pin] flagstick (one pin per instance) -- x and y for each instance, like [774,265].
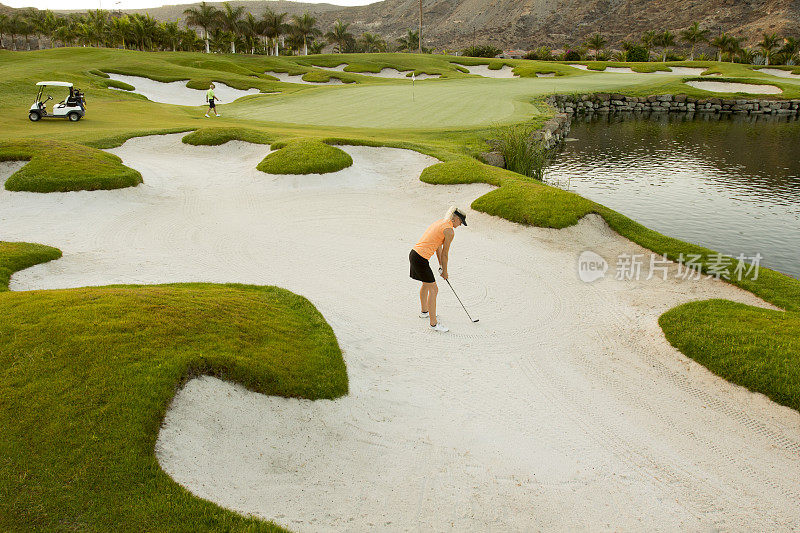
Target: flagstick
[413,79]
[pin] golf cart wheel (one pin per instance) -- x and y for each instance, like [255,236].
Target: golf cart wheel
[34,116]
[74,117]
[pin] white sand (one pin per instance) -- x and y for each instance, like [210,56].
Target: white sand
[674,71]
[7,168]
[563,409]
[483,70]
[384,73]
[545,74]
[298,78]
[779,72]
[178,93]
[726,87]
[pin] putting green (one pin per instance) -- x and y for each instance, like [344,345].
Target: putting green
[430,104]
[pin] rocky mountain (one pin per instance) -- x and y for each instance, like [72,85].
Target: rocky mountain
[525,24]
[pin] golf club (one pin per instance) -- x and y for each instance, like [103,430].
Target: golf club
[459,299]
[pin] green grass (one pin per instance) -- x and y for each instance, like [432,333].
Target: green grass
[305,157]
[103,363]
[756,348]
[55,166]
[15,256]
[215,136]
[87,376]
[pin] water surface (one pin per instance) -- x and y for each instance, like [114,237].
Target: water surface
[731,184]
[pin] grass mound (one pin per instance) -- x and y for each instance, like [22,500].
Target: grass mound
[747,345]
[305,157]
[16,256]
[756,348]
[87,375]
[57,166]
[221,135]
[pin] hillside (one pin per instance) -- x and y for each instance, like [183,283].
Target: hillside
[525,24]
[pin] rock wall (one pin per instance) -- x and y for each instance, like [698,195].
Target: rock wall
[667,103]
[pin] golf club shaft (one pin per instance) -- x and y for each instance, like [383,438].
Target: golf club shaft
[459,299]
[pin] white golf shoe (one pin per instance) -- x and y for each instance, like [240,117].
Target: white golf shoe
[440,327]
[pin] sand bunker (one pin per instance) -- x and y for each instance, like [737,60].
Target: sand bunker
[177,93]
[7,169]
[779,72]
[384,73]
[726,87]
[483,70]
[298,78]
[565,396]
[674,71]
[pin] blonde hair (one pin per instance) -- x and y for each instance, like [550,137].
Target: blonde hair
[451,212]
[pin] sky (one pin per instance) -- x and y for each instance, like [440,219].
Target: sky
[136,4]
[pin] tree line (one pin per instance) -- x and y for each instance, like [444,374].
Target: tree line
[232,29]
[772,49]
[229,29]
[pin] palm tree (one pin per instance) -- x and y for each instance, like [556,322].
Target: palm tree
[727,44]
[719,42]
[230,20]
[665,40]
[98,19]
[204,16]
[596,42]
[120,29]
[305,27]
[172,34]
[648,40]
[251,29]
[372,42]
[49,24]
[410,42]
[768,45]
[274,27]
[25,28]
[789,50]
[733,46]
[143,30]
[340,37]
[694,35]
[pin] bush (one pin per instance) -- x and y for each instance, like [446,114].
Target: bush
[484,50]
[543,53]
[522,155]
[572,55]
[637,54]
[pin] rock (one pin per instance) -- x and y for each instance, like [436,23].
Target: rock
[495,159]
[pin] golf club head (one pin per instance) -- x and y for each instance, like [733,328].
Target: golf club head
[475,320]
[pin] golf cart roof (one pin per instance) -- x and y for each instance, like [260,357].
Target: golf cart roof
[56,83]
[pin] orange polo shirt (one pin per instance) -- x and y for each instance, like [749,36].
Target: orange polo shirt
[432,238]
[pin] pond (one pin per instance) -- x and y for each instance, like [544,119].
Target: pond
[731,184]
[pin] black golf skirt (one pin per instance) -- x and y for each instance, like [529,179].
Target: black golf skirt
[420,268]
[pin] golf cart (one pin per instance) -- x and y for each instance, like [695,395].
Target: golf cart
[73,108]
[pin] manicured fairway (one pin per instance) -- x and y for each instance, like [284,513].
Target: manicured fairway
[430,104]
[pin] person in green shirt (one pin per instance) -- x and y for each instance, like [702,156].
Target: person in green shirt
[211,98]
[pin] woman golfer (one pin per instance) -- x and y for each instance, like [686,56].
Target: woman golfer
[211,98]
[436,239]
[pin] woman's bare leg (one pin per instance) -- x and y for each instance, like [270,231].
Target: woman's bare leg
[433,290]
[423,298]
